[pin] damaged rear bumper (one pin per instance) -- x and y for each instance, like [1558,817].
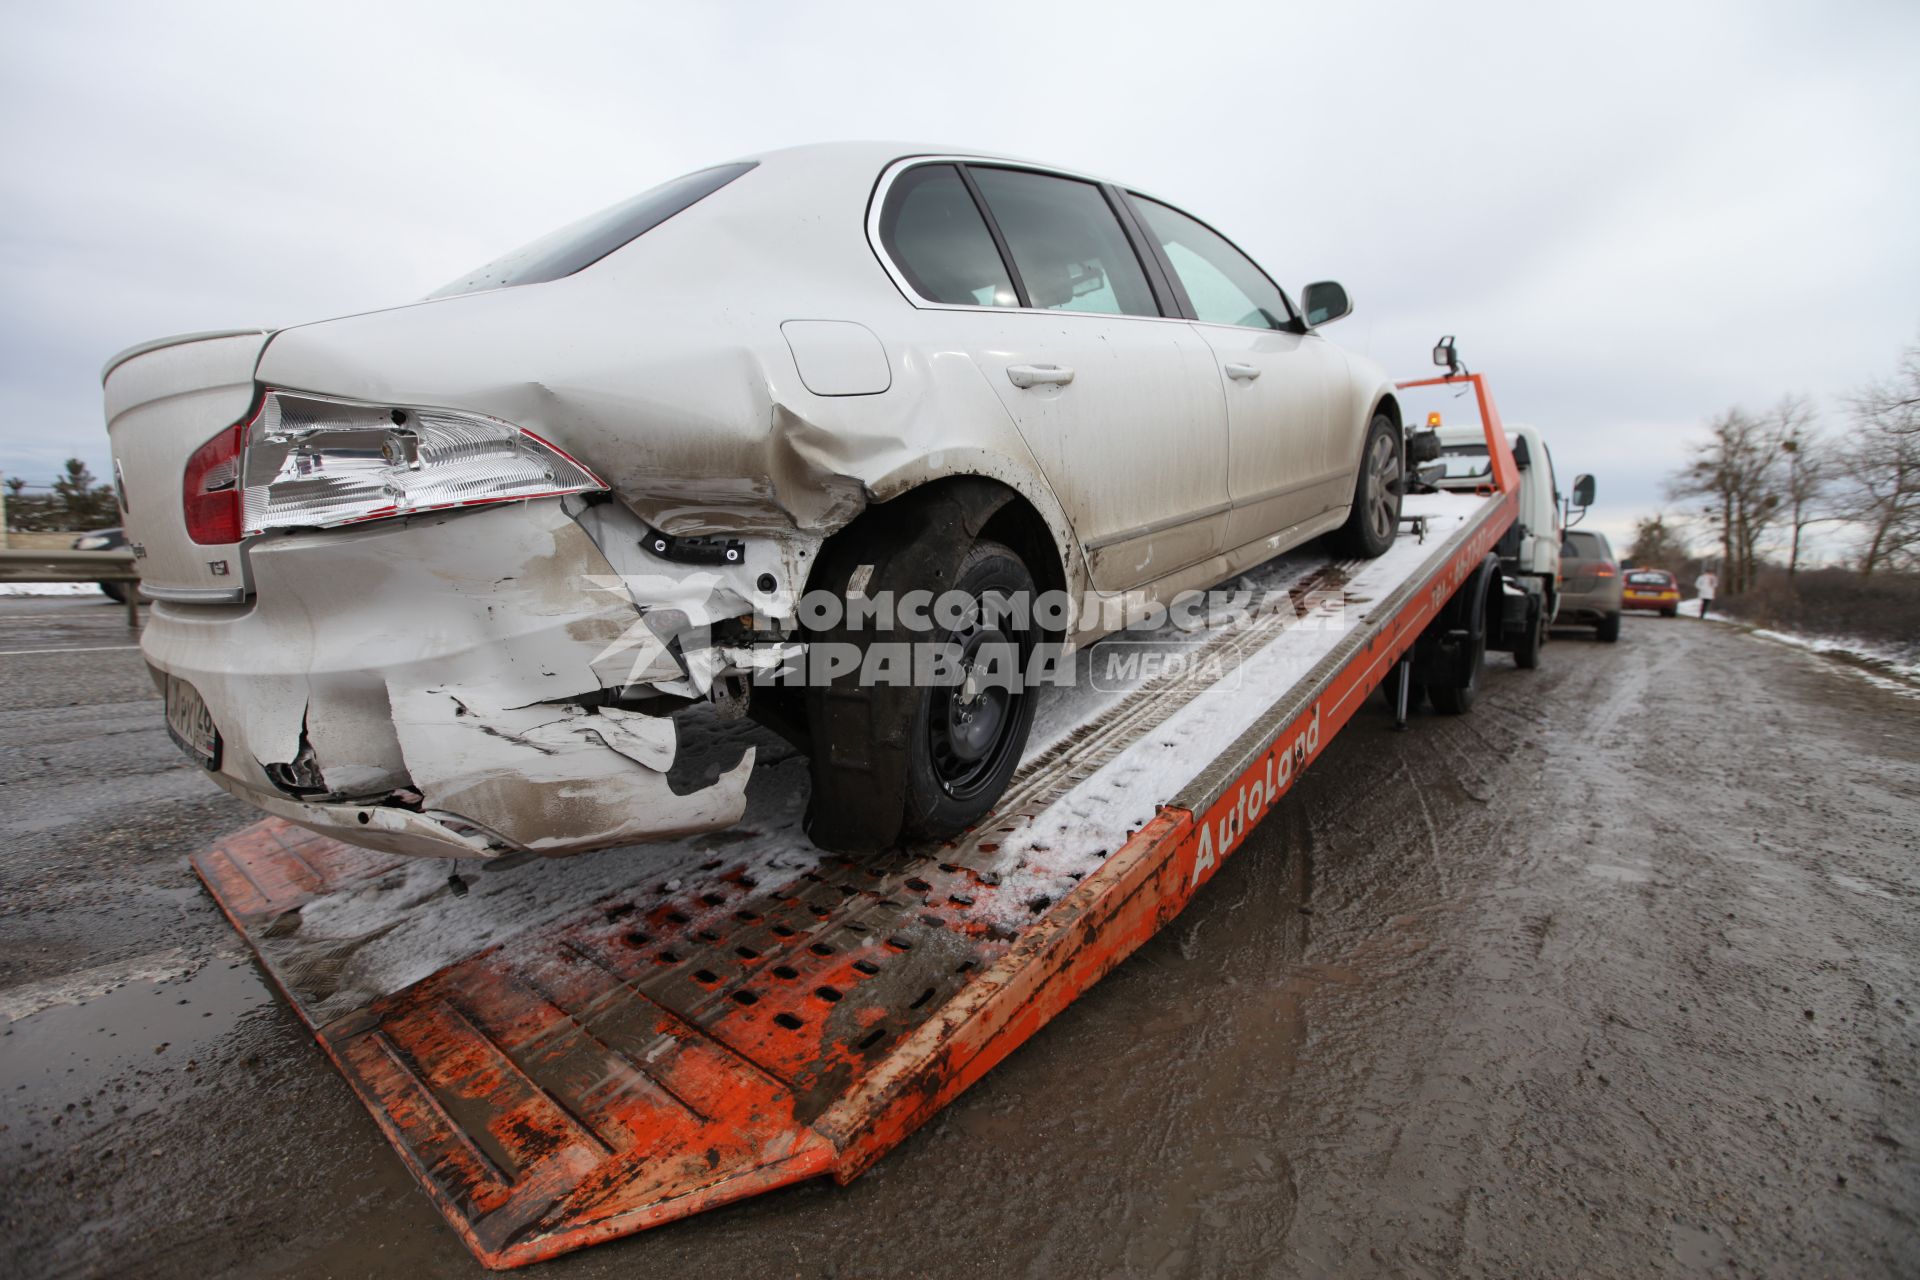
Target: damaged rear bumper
[445,688]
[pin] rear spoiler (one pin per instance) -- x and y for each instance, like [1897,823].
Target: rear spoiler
[178,339]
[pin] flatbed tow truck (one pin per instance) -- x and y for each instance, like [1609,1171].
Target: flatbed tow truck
[565,1052]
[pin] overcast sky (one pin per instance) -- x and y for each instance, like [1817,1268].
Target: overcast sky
[1632,216]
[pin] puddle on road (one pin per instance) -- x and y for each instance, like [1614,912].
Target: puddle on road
[78,1064]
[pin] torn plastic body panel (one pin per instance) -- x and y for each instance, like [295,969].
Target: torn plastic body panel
[473,684]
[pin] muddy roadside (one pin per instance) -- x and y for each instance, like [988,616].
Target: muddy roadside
[1615,976]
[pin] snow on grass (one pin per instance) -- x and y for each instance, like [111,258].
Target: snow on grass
[1890,666]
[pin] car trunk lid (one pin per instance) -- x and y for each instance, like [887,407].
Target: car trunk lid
[164,400]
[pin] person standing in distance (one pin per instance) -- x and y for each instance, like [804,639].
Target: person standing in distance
[1706,586]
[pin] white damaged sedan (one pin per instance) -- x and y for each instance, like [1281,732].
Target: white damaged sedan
[436,579]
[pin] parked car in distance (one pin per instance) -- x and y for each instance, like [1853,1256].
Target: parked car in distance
[1590,584]
[853,369]
[107,540]
[1654,589]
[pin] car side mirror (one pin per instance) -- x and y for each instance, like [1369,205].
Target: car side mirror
[1583,491]
[1324,301]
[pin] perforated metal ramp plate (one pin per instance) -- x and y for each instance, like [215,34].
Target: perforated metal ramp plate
[661,1051]
[616,1045]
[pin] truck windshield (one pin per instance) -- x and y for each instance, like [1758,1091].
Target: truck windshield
[1466,461]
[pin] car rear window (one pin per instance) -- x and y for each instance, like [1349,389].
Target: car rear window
[1584,546]
[936,235]
[579,245]
[1650,578]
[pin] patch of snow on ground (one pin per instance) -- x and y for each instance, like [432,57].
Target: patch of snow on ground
[50,589]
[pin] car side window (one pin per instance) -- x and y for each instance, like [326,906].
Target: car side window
[1066,242]
[1222,283]
[934,231]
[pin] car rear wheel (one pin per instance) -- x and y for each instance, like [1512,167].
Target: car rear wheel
[1375,515]
[915,718]
[1609,629]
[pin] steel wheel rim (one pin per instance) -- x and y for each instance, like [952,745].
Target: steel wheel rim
[970,729]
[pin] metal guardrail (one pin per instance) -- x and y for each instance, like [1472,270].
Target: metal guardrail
[75,566]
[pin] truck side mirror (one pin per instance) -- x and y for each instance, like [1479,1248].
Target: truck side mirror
[1583,491]
[1446,356]
[1324,301]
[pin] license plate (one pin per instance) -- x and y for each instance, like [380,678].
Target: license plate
[190,723]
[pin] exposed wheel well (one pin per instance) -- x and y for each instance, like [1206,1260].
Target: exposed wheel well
[1005,516]
[1391,407]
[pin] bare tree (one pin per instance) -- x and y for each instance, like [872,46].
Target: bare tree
[1808,471]
[1879,467]
[1736,475]
[1657,545]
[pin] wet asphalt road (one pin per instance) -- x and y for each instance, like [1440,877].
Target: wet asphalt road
[1615,976]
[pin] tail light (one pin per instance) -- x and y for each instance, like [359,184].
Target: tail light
[210,491]
[306,462]
[1604,571]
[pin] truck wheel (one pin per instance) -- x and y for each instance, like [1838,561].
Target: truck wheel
[114,591]
[1375,515]
[1609,629]
[966,739]
[1457,700]
[1527,655]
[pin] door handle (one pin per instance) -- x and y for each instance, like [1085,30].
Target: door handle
[1244,372]
[1034,375]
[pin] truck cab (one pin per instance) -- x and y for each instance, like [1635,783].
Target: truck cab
[1531,547]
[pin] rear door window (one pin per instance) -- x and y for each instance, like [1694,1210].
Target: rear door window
[936,236]
[1583,546]
[1066,242]
[1222,283]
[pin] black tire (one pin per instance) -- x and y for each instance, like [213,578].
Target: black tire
[1526,655]
[114,591]
[893,759]
[958,766]
[1457,700]
[1609,629]
[1669,613]
[1375,516]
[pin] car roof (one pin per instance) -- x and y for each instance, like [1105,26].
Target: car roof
[878,154]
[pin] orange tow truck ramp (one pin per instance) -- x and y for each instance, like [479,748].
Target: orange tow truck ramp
[566,1052]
